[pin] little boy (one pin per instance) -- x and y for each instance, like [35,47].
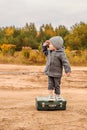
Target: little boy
[56,60]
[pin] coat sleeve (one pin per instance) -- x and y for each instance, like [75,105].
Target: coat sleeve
[65,63]
[45,49]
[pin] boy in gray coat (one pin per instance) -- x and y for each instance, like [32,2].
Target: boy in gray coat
[56,60]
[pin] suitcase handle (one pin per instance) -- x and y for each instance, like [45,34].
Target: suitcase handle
[52,105]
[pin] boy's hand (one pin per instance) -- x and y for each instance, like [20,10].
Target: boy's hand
[47,42]
[68,74]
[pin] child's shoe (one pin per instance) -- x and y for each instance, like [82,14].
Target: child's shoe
[57,96]
[51,97]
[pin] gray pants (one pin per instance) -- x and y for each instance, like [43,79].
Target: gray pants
[54,84]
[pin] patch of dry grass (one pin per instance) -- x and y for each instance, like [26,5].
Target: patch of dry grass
[37,57]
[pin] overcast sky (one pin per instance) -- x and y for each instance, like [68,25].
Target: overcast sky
[56,12]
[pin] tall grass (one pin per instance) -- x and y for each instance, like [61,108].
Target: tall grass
[36,57]
[77,57]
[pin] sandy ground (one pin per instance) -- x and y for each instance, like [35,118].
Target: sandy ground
[20,85]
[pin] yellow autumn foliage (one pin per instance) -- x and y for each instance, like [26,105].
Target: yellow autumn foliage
[9,31]
[8,49]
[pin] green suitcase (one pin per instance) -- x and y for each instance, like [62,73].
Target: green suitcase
[44,103]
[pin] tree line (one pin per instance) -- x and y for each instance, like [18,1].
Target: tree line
[75,38]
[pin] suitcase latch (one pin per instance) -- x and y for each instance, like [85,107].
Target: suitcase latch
[43,104]
[60,104]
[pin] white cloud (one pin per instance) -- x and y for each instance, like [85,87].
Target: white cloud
[66,12]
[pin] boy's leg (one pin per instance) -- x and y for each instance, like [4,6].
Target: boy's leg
[50,86]
[57,81]
[50,92]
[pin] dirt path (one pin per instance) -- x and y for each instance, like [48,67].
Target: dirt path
[19,85]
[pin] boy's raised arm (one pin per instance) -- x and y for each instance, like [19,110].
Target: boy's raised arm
[45,48]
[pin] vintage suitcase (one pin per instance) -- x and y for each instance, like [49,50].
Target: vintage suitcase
[44,103]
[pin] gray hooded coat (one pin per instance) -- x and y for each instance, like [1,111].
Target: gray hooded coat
[56,60]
